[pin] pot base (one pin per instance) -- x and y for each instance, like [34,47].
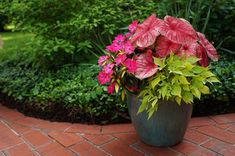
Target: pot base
[166,127]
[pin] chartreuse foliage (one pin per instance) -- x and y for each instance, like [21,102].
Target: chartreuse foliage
[178,79]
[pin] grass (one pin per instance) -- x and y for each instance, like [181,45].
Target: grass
[13,44]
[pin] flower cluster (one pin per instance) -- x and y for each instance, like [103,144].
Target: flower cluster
[132,53]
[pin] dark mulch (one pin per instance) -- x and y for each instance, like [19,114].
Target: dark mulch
[56,112]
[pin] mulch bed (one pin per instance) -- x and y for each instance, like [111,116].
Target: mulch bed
[56,112]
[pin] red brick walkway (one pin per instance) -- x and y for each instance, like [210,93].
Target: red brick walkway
[25,136]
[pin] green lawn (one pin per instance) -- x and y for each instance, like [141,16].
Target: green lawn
[13,44]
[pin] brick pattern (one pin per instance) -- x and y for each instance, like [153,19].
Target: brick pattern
[26,136]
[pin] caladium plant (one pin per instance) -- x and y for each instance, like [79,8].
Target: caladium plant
[143,57]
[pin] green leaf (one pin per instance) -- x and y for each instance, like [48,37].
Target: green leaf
[178,100]
[155,82]
[176,90]
[188,66]
[196,92]
[159,62]
[198,69]
[205,90]
[207,74]
[213,79]
[197,84]
[183,80]
[144,104]
[150,113]
[187,73]
[192,60]
[187,97]
[143,93]
[154,102]
[164,90]
[186,87]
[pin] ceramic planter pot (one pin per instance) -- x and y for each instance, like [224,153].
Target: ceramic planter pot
[166,127]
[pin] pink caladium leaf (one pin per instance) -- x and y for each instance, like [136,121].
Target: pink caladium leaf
[201,54]
[209,48]
[178,30]
[188,50]
[145,67]
[165,47]
[147,32]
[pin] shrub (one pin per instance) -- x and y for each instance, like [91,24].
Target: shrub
[76,28]
[225,70]
[74,89]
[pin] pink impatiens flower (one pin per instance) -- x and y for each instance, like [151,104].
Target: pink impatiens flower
[145,67]
[132,27]
[117,44]
[128,48]
[119,39]
[147,32]
[178,30]
[103,78]
[131,65]
[110,88]
[114,47]
[165,47]
[120,58]
[108,68]
[102,59]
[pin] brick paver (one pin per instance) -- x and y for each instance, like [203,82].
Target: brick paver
[26,136]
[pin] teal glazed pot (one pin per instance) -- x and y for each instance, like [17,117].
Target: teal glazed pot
[166,127]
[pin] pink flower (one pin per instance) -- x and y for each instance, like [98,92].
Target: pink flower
[131,65]
[111,88]
[165,47]
[132,27]
[103,78]
[145,67]
[178,30]
[128,35]
[119,39]
[120,58]
[108,68]
[208,47]
[114,47]
[102,59]
[117,44]
[128,48]
[147,32]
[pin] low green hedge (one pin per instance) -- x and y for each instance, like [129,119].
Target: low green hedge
[73,90]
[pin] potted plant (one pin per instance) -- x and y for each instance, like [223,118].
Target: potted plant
[160,66]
